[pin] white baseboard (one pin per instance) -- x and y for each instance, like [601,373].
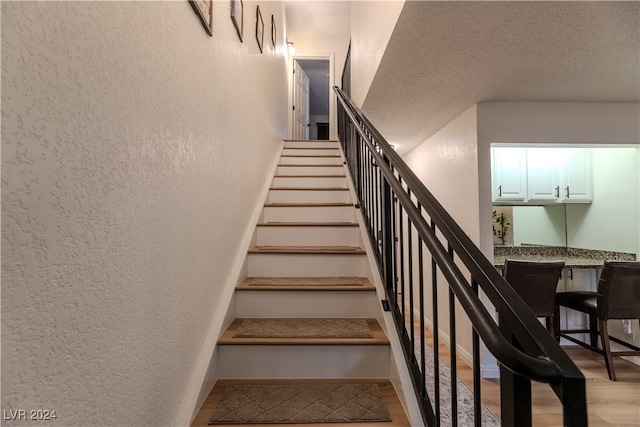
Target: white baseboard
[446,340]
[492,371]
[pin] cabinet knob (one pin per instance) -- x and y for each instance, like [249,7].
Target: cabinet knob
[558,192]
[500,190]
[567,190]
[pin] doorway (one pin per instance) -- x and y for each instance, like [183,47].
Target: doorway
[311,98]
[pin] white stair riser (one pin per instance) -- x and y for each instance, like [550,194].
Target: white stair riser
[310,181]
[316,160]
[309,214]
[310,170]
[302,361]
[327,304]
[308,196]
[307,236]
[311,144]
[310,152]
[306,265]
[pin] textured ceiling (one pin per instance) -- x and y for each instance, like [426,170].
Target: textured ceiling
[456,54]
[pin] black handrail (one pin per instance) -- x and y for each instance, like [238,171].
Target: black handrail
[388,194]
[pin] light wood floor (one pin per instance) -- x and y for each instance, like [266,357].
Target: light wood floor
[610,404]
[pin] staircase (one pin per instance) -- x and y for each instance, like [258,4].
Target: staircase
[307,263]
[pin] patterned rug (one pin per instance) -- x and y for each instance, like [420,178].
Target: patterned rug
[303,328]
[300,403]
[465,396]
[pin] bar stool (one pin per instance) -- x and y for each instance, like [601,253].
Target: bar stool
[536,282]
[618,297]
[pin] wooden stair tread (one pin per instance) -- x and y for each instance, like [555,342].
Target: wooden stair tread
[322,156]
[379,338]
[310,140]
[311,148]
[305,284]
[311,176]
[387,390]
[338,250]
[311,165]
[311,188]
[307,224]
[308,204]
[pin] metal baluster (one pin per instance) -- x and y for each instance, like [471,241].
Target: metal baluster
[423,385]
[477,396]
[452,344]
[436,331]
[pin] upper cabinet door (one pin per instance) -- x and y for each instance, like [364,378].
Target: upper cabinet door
[509,167]
[543,175]
[577,182]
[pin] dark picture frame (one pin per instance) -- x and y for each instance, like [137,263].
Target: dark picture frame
[204,10]
[273,31]
[259,28]
[237,17]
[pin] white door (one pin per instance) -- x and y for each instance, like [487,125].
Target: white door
[300,103]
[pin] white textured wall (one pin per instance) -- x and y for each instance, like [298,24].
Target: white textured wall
[133,149]
[447,165]
[372,23]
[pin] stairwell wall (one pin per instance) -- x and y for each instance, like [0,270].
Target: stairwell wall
[134,148]
[372,23]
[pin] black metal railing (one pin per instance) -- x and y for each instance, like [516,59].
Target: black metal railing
[431,270]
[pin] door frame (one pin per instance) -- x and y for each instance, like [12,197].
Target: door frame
[333,115]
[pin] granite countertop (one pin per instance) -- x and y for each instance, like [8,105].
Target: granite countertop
[573,257]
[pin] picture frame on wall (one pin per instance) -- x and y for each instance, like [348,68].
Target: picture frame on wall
[273,31]
[237,17]
[204,10]
[259,28]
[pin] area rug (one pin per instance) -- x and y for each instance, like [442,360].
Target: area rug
[303,328]
[465,396]
[300,403]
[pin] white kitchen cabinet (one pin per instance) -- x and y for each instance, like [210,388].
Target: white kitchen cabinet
[543,175]
[576,176]
[509,177]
